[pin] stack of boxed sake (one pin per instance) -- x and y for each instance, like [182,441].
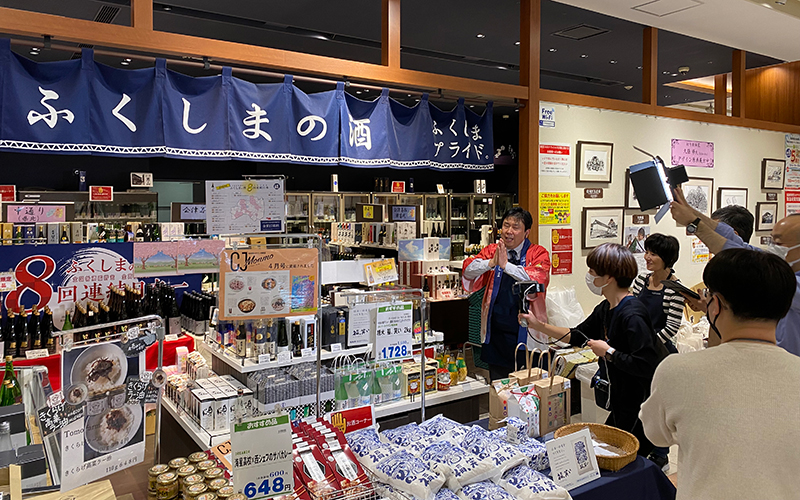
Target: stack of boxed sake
[424,260]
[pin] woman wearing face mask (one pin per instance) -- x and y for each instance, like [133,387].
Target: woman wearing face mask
[620,332]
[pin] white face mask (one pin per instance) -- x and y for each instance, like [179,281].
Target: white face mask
[782,251]
[597,290]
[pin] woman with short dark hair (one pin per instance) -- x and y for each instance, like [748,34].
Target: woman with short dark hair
[620,333]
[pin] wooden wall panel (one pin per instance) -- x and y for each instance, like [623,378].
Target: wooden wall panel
[650,66]
[530,20]
[738,91]
[773,93]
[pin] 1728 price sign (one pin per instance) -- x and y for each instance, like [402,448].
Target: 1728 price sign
[394,325]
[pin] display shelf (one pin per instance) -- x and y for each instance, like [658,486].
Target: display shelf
[458,218]
[202,437]
[467,389]
[252,366]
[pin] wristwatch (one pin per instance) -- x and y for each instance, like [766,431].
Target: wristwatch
[609,353]
[692,227]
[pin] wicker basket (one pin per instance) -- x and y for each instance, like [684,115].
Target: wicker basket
[611,435]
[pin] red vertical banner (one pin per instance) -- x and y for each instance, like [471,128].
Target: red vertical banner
[561,249]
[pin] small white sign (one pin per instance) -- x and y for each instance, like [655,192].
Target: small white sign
[8,283]
[171,336]
[37,353]
[440,188]
[361,324]
[572,459]
[394,326]
[337,347]
[141,179]
[261,455]
[264,358]
[284,357]
[547,116]
[307,352]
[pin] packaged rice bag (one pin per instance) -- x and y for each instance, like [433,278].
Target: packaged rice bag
[527,484]
[373,454]
[411,437]
[411,475]
[439,425]
[368,434]
[446,494]
[503,455]
[530,447]
[458,466]
[516,430]
[484,491]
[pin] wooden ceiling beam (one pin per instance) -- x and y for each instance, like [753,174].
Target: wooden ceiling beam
[650,66]
[33,24]
[721,94]
[738,83]
[390,33]
[142,14]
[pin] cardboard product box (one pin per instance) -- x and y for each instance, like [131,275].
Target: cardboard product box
[221,409]
[76,232]
[203,408]
[554,394]
[33,466]
[330,325]
[8,233]
[406,230]
[430,250]
[358,233]
[308,329]
[444,249]
[410,378]
[91,231]
[411,249]
[499,392]
[434,266]
[15,416]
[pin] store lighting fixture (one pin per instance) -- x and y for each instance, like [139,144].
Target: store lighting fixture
[471,105]
[125,62]
[501,67]
[665,72]
[584,56]
[673,74]
[516,43]
[613,61]
[167,8]
[358,91]
[480,35]
[553,49]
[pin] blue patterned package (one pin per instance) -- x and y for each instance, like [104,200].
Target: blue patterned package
[516,430]
[439,425]
[482,444]
[530,447]
[484,491]
[409,436]
[371,454]
[363,436]
[527,484]
[446,494]
[411,475]
[457,465]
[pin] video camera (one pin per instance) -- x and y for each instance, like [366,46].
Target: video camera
[525,291]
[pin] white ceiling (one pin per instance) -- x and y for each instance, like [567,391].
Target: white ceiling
[741,24]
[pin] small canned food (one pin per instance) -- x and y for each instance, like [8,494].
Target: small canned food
[237,496]
[186,470]
[177,463]
[205,465]
[190,480]
[207,496]
[167,486]
[191,492]
[153,472]
[197,456]
[217,484]
[225,492]
[213,473]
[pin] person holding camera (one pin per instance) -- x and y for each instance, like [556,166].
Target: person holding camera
[620,333]
[495,269]
[734,410]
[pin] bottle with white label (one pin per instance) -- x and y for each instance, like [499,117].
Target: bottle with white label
[260,341]
[241,339]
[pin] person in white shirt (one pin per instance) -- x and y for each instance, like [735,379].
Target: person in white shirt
[734,410]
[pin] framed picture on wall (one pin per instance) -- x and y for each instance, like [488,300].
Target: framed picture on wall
[699,192]
[601,225]
[773,173]
[594,161]
[731,196]
[631,202]
[766,215]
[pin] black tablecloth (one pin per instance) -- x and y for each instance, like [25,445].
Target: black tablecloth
[639,480]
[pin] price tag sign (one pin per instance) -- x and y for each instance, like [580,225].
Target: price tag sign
[7,282]
[381,271]
[307,352]
[36,354]
[361,324]
[261,454]
[284,357]
[572,459]
[393,337]
[337,347]
[171,337]
[136,345]
[264,358]
[53,418]
[135,391]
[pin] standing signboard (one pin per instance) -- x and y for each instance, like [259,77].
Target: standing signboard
[393,331]
[261,452]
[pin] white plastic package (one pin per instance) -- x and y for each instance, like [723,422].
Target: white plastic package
[530,447]
[527,484]
[503,455]
[411,475]
[484,491]
[439,425]
[458,466]
[446,494]
[410,436]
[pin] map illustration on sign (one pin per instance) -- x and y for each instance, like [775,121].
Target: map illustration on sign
[252,207]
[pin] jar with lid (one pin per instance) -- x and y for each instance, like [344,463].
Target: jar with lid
[213,473]
[197,456]
[191,492]
[225,492]
[177,463]
[206,496]
[184,472]
[191,480]
[153,472]
[216,484]
[237,496]
[205,465]
[167,486]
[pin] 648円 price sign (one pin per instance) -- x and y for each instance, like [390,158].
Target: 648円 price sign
[262,457]
[394,325]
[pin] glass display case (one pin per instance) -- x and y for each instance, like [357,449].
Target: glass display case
[384,199]
[435,212]
[482,210]
[297,215]
[126,206]
[502,204]
[460,216]
[326,208]
[349,201]
[409,199]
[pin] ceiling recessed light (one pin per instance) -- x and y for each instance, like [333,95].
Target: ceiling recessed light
[516,110]
[710,62]
[480,35]
[471,105]
[638,67]
[358,91]
[628,87]
[167,8]
[409,95]
[613,61]
[584,56]
[665,72]
[553,49]
[501,67]
[516,43]
[35,49]
[416,100]
[125,63]
[673,74]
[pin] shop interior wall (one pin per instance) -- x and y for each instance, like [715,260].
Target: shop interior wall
[738,152]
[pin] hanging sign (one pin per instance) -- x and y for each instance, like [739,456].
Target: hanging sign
[393,331]
[381,271]
[593,193]
[353,419]
[8,193]
[244,206]
[101,193]
[554,208]
[572,459]
[692,153]
[261,454]
[28,213]
[262,283]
